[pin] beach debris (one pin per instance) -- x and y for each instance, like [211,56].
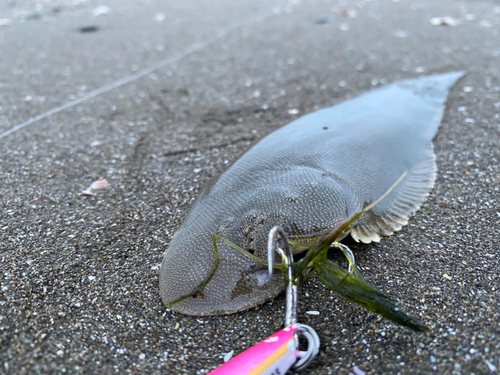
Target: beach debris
[349,13]
[101,10]
[5,22]
[159,17]
[312,312]
[445,21]
[96,185]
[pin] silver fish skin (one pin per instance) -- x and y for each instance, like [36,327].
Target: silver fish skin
[308,177]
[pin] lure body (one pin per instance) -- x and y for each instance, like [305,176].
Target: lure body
[308,177]
[275,355]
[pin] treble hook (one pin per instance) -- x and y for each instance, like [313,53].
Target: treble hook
[304,331]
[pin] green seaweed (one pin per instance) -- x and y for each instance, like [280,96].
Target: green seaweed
[348,285]
[353,287]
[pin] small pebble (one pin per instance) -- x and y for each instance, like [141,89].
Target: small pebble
[321,20]
[88,29]
[490,365]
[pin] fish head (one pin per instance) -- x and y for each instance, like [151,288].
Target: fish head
[195,281]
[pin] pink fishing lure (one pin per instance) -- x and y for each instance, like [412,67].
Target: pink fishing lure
[273,356]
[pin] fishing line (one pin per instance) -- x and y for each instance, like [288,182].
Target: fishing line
[141,73]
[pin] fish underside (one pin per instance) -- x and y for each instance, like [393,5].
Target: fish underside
[308,177]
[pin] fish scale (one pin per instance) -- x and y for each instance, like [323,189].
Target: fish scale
[308,177]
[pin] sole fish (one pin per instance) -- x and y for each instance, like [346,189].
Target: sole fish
[307,177]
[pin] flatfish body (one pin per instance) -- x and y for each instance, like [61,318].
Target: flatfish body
[308,177]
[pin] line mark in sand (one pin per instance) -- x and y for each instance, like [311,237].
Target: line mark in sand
[141,73]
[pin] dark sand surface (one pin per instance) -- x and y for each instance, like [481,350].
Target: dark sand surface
[186,87]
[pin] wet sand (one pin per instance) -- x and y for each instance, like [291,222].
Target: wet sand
[156,99]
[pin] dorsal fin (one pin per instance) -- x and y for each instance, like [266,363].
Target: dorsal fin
[410,194]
